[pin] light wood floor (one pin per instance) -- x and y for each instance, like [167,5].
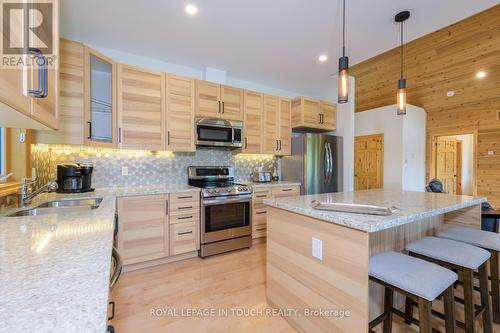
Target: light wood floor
[233,280]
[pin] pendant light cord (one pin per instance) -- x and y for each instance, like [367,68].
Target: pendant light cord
[402,59]
[343,29]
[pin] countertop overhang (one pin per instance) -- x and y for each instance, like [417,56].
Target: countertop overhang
[412,207]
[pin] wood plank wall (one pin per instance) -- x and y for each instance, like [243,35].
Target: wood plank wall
[447,59]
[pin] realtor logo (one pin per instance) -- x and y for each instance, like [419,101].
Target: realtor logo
[26,26]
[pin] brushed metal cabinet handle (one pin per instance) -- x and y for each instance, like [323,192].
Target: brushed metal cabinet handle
[185,233]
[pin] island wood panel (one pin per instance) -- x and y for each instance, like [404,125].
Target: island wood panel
[71,96]
[143,234]
[447,60]
[270,125]
[232,102]
[253,104]
[180,98]
[141,108]
[207,99]
[296,280]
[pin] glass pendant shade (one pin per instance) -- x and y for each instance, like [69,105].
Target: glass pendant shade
[401,103]
[343,80]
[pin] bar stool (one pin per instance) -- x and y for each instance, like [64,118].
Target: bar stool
[414,278]
[489,241]
[463,258]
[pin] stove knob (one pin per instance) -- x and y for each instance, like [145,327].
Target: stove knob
[210,191]
[244,189]
[228,189]
[216,190]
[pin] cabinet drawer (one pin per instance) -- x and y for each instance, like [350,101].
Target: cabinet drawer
[259,231]
[286,191]
[259,218]
[259,195]
[184,197]
[191,216]
[183,237]
[189,207]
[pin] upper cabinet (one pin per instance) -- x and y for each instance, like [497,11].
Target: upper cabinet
[100,100]
[312,114]
[141,108]
[277,132]
[30,88]
[252,132]
[218,101]
[285,127]
[180,113]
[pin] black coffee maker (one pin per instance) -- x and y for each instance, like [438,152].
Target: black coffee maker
[74,177]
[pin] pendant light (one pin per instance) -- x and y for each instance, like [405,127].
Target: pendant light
[401,98]
[343,66]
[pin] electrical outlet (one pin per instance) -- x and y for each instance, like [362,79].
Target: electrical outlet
[317,248]
[491,153]
[124,171]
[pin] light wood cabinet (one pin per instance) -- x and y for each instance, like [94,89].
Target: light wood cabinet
[277,130]
[309,113]
[259,210]
[218,101]
[180,113]
[141,108]
[100,100]
[253,103]
[144,230]
[155,227]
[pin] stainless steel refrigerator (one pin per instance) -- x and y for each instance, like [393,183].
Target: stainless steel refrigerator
[316,162]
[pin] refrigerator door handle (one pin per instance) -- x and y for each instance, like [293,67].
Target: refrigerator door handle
[330,171]
[327,162]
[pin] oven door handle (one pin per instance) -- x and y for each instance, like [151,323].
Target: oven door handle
[214,202]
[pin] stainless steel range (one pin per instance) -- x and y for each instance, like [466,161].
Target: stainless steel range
[226,217]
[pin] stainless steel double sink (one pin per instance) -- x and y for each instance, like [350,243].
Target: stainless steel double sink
[58,206]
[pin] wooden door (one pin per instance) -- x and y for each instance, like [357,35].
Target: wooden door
[311,110]
[253,103]
[232,103]
[270,129]
[207,100]
[285,127]
[180,113]
[71,97]
[141,108]
[144,230]
[369,162]
[46,109]
[446,164]
[329,115]
[100,100]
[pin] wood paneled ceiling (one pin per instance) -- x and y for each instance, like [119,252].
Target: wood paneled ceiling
[447,59]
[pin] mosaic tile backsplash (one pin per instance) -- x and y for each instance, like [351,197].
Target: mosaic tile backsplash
[144,167]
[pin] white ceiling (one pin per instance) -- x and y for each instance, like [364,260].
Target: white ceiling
[271,42]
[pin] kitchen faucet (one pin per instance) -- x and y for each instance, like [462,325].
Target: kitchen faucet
[27,195]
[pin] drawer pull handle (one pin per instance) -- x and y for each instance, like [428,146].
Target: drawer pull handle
[263,212]
[185,217]
[260,229]
[186,207]
[261,196]
[188,197]
[185,233]
[287,189]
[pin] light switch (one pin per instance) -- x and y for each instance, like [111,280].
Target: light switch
[317,248]
[124,171]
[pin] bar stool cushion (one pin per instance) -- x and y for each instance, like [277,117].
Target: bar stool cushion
[450,251]
[413,275]
[485,239]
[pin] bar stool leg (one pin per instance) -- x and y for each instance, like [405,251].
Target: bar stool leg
[449,310]
[470,320]
[425,315]
[485,298]
[495,290]
[388,299]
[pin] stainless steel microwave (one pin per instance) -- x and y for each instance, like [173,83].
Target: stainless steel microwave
[219,133]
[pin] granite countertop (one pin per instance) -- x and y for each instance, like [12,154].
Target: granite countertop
[54,269]
[280,183]
[413,206]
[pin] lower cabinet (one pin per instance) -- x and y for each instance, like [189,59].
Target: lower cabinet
[157,226]
[259,211]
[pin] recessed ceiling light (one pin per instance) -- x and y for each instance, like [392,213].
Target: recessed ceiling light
[191,9]
[480,74]
[323,58]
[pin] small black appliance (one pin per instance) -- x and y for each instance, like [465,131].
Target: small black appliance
[74,177]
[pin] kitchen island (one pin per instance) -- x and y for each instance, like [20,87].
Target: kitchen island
[331,290]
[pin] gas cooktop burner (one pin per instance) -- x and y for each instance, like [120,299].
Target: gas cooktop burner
[216,181]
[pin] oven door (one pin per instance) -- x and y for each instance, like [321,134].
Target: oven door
[210,135]
[225,218]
